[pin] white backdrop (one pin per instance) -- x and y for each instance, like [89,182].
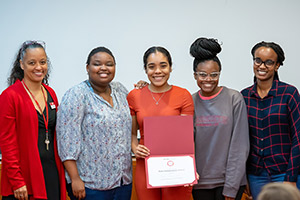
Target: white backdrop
[72,28]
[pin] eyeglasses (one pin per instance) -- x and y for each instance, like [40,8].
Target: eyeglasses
[203,75]
[33,42]
[268,63]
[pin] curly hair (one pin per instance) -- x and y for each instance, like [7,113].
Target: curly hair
[17,72]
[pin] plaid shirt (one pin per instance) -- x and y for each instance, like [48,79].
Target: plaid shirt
[274,125]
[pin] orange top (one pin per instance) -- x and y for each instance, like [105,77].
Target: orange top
[144,103]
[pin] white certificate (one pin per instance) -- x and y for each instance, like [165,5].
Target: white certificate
[167,171]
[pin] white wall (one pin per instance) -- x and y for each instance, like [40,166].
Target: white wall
[71,28]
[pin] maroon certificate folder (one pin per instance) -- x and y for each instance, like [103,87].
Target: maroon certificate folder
[171,143]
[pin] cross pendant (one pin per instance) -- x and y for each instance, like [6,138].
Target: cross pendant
[47,144]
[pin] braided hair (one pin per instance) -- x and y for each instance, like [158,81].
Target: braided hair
[204,49]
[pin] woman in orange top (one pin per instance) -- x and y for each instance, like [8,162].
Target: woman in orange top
[159,98]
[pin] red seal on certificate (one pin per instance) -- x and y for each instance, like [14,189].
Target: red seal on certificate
[170,163]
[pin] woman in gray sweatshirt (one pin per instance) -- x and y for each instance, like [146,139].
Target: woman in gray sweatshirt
[220,127]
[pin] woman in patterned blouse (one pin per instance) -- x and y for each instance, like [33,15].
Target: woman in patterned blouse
[94,133]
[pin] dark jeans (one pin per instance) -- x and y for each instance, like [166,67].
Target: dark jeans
[257,182]
[120,193]
[215,194]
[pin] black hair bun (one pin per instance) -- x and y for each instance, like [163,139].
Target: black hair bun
[205,48]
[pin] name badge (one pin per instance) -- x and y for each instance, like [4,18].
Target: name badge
[52,105]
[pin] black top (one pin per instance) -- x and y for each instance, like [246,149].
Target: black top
[47,156]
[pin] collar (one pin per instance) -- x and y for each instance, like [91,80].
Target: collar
[272,92]
[92,90]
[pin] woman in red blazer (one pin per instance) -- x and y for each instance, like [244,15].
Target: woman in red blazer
[31,168]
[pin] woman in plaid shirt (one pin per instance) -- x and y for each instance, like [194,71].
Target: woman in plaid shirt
[274,122]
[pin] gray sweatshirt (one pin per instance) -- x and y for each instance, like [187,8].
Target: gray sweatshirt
[221,141]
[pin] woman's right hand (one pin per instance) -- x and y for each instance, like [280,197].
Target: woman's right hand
[21,193]
[141,151]
[78,188]
[141,84]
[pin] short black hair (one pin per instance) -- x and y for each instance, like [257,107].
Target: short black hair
[97,50]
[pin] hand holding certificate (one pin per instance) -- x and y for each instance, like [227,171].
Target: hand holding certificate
[171,143]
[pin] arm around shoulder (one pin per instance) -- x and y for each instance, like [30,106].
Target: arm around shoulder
[188,104]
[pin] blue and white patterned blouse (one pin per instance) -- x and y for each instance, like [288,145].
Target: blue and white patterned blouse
[96,135]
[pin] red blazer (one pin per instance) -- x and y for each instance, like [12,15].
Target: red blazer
[18,141]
